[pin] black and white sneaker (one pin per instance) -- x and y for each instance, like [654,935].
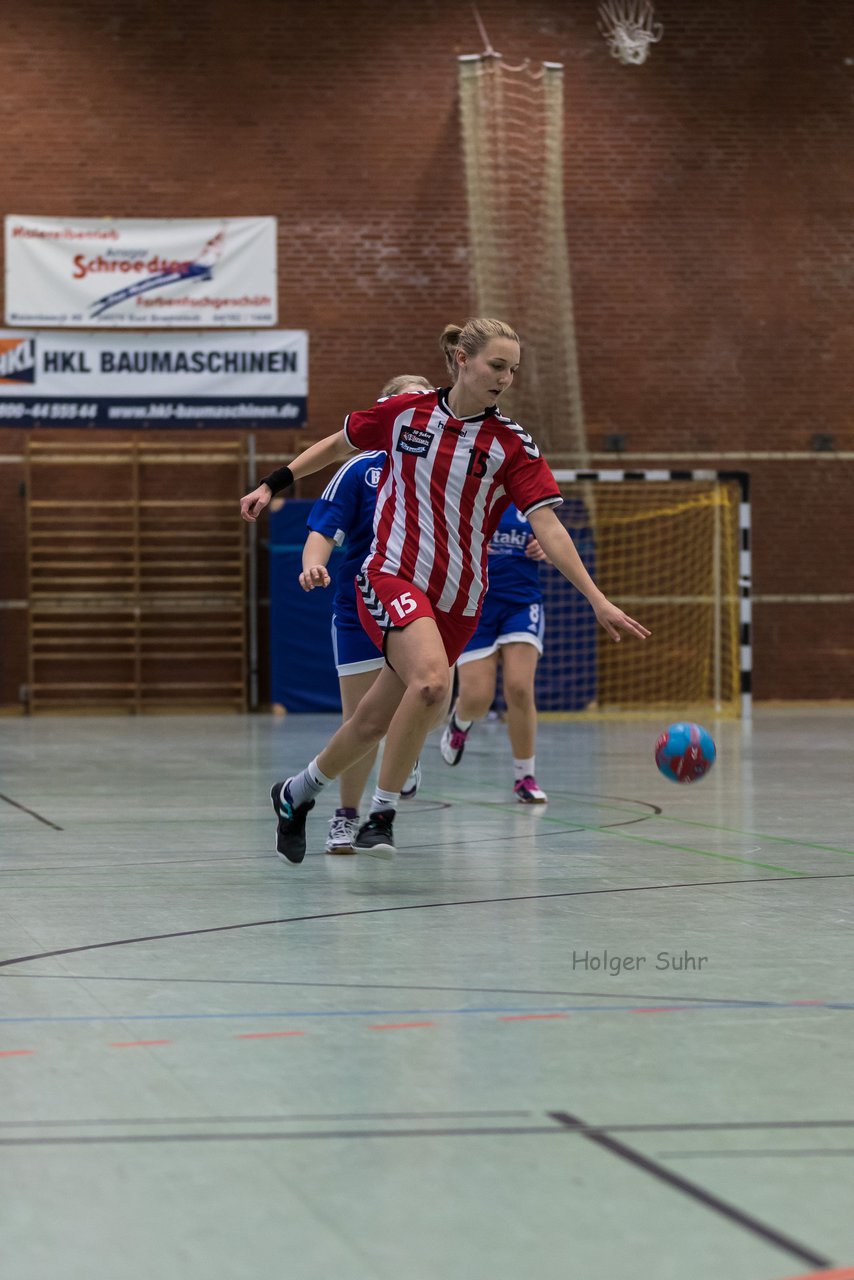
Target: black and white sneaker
[290,827]
[376,836]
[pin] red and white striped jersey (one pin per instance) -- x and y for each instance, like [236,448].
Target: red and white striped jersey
[443,489]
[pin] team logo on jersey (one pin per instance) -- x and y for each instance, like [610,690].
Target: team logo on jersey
[372,476]
[414,441]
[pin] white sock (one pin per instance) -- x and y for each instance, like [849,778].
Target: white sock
[523,768]
[465,725]
[383,801]
[306,785]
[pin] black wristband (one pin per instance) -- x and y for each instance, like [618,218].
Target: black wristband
[281,478]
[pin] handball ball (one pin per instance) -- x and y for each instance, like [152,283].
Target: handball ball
[685,752]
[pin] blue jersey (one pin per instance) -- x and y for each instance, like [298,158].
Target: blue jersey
[345,513]
[513,576]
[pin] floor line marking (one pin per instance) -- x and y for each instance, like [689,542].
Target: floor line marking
[503,1011]
[626,835]
[527,1017]
[758,1152]
[31,812]
[418,906]
[847,1273]
[267,1035]
[692,1189]
[136,1044]
[297,1118]
[708,826]
[550,1130]
[398,1026]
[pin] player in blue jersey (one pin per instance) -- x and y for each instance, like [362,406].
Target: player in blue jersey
[344,516]
[511,627]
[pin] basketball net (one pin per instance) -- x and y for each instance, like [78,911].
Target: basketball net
[629,28]
[512,123]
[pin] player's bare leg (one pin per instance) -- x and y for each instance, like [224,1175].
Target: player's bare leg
[418,656]
[475,695]
[295,797]
[361,733]
[352,782]
[477,687]
[520,667]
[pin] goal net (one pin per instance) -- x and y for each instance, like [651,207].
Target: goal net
[513,148]
[672,549]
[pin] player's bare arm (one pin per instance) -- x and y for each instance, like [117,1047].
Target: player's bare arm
[558,546]
[319,455]
[315,557]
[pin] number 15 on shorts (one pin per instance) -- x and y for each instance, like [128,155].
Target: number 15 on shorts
[404,604]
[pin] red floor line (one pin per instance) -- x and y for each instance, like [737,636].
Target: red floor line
[529,1017]
[267,1035]
[399,1026]
[15,1053]
[135,1044]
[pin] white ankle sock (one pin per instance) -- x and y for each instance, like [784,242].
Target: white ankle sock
[523,768]
[383,801]
[306,785]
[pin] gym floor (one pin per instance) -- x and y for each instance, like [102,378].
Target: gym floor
[611,1036]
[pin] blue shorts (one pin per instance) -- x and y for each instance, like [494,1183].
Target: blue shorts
[505,622]
[354,650]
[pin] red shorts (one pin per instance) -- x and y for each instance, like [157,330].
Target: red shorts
[387,603]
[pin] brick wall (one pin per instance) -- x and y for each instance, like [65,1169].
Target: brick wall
[709,212]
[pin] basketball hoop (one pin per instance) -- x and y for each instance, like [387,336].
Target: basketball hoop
[629,28]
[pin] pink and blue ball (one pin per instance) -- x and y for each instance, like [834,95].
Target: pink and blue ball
[685,752]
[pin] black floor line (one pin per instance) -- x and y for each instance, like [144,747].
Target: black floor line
[271,1119]
[756,1152]
[724,1126]
[415,906]
[658,998]
[330,1117]
[547,832]
[698,1193]
[305,1135]
[591,798]
[31,812]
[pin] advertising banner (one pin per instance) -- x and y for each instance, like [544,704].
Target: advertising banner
[145,379]
[91,273]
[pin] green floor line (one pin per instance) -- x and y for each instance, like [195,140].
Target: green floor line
[713,826]
[626,835]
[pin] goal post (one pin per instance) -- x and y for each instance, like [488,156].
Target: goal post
[672,548]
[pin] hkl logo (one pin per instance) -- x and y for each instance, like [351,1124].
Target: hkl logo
[17,360]
[200,269]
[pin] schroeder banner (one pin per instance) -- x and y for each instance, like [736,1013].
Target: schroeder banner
[91,273]
[146,379]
